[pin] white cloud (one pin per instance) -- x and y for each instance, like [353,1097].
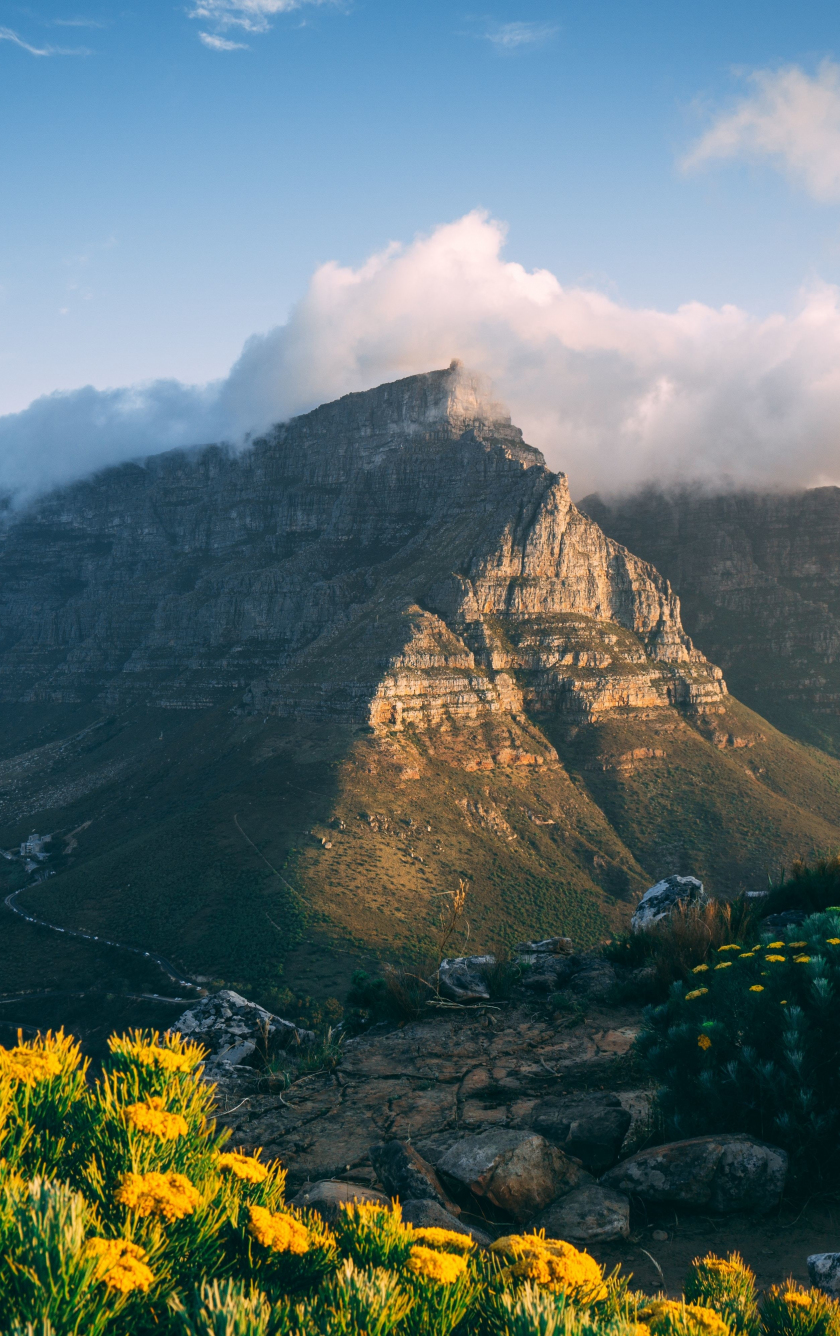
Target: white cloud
[790,118]
[8,35]
[511,36]
[614,395]
[252,15]
[221,43]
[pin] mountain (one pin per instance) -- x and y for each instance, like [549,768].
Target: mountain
[272,704]
[758,575]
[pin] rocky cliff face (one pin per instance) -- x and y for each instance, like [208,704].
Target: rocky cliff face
[759,579]
[398,556]
[295,693]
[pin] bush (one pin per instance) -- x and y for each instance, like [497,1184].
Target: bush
[728,1286]
[812,887]
[688,937]
[751,1043]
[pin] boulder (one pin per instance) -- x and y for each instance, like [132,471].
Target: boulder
[328,1197]
[591,1214]
[515,1170]
[788,918]
[549,946]
[405,1174]
[657,902]
[824,1272]
[461,980]
[595,979]
[427,1214]
[549,973]
[238,1031]
[730,1172]
[588,1127]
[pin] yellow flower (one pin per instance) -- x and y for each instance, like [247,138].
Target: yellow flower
[246,1167]
[724,965]
[771,946]
[794,946]
[443,1267]
[799,1298]
[775,958]
[152,1117]
[444,1238]
[833,941]
[29,1065]
[180,1056]
[783,1002]
[556,1265]
[730,947]
[668,1314]
[695,992]
[281,1233]
[699,969]
[171,1196]
[757,988]
[121,1264]
[801,960]
[748,955]
[704,1042]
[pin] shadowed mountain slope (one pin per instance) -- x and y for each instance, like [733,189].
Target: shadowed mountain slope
[288,696]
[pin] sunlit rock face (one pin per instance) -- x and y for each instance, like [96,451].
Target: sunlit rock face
[401,557]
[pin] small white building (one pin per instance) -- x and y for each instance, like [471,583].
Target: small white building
[34,846]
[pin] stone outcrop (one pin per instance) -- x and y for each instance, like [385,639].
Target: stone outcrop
[657,902]
[589,1214]
[589,1128]
[236,1031]
[516,1171]
[730,1172]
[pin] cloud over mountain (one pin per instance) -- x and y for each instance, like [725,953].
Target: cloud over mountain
[613,395]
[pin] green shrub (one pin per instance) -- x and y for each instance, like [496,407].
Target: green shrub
[727,1286]
[790,1310]
[688,937]
[813,887]
[752,1044]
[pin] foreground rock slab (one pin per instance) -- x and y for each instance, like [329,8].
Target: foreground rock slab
[327,1198]
[591,1214]
[724,1173]
[517,1171]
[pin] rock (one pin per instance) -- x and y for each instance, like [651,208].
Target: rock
[723,1173]
[595,979]
[238,1031]
[549,973]
[824,1272]
[427,1214]
[328,1196]
[460,979]
[788,918]
[517,1171]
[593,1214]
[590,1128]
[657,902]
[550,946]
[405,1174]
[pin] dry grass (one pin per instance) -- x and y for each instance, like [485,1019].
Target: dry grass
[688,937]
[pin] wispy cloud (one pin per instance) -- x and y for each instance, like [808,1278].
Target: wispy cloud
[217,43]
[8,35]
[252,15]
[76,23]
[790,118]
[513,36]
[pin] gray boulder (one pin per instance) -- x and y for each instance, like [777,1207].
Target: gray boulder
[405,1174]
[238,1031]
[427,1214]
[329,1195]
[730,1172]
[517,1171]
[591,1214]
[824,1272]
[461,980]
[588,1127]
[529,952]
[657,902]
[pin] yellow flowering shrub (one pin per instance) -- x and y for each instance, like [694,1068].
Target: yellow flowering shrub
[790,1310]
[40,1059]
[246,1167]
[121,1264]
[552,1264]
[727,1285]
[429,1264]
[669,1317]
[171,1196]
[279,1232]
[152,1117]
[174,1055]
[447,1239]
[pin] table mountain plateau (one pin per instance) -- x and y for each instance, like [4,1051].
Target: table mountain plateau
[758,575]
[272,703]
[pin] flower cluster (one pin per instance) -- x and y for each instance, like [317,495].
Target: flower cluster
[171,1196]
[121,1264]
[429,1264]
[153,1118]
[246,1167]
[551,1263]
[666,1315]
[176,1056]
[280,1232]
[29,1065]
[433,1237]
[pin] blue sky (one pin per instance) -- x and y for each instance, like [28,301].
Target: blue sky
[164,199]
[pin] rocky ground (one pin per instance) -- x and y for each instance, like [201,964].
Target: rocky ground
[499,1102]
